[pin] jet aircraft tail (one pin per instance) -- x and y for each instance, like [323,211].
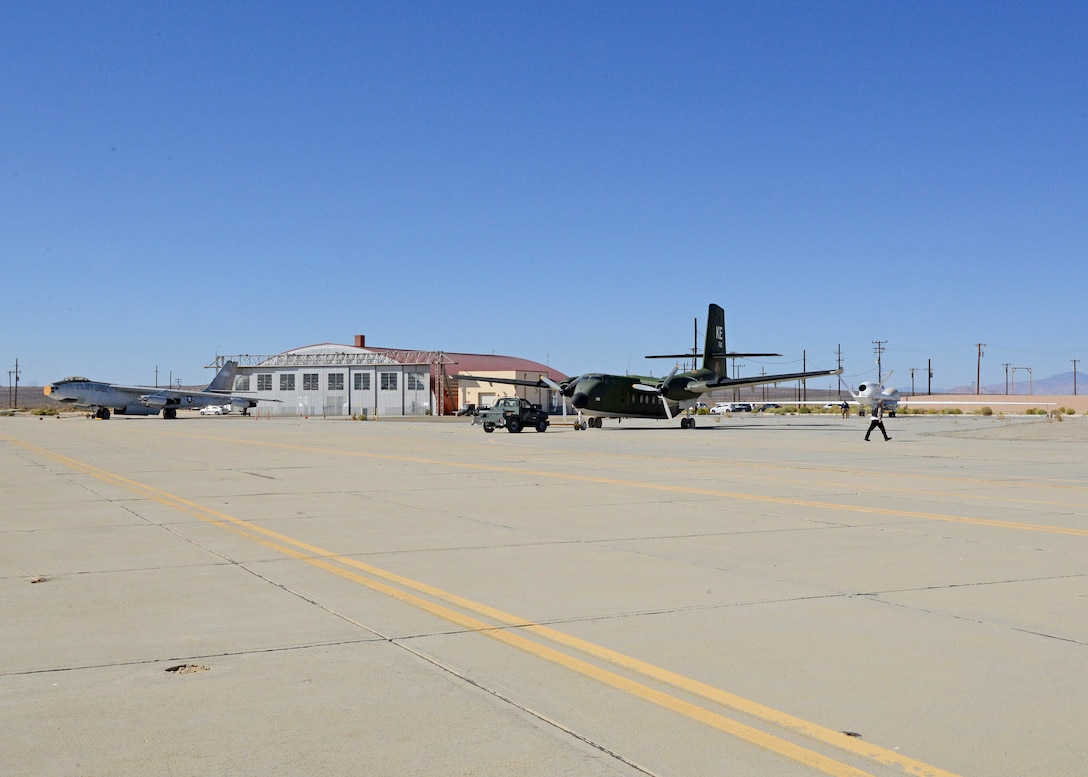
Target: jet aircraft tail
[223,382]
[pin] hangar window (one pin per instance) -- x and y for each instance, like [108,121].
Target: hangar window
[241,383]
[413,382]
[362,381]
[264,381]
[336,381]
[287,381]
[310,381]
[389,381]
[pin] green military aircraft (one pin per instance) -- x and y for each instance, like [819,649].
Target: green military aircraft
[598,395]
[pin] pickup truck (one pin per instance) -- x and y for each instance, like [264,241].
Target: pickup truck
[514,414]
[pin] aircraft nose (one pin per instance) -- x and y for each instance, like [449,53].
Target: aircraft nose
[47,390]
[580,400]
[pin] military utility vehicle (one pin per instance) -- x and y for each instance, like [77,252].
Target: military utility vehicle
[514,414]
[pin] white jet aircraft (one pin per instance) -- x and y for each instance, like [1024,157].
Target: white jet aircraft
[101,397]
[868,393]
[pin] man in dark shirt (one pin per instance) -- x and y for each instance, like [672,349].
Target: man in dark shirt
[876,421]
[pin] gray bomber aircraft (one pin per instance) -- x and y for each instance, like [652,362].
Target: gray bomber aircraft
[101,397]
[600,395]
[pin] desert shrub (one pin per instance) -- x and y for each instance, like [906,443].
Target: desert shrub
[985,410]
[951,411]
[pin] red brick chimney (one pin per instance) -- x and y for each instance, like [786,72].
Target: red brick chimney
[360,341]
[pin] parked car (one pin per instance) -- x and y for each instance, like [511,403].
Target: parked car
[720,408]
[212,410]
[769,406]
[742,407]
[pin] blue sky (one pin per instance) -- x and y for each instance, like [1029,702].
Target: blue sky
[567,182]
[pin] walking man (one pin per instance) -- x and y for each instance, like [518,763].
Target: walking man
[876,416]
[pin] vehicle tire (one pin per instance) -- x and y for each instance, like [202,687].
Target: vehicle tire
[103,413]
[169,412]
[542,425]
[513,425]
[489,427]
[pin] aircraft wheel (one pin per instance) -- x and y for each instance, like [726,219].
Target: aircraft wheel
[542,426]
[169,412]
[103,413]
[513,425]
[685,423]
[489,427]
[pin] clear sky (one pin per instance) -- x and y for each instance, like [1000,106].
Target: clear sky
[567,182]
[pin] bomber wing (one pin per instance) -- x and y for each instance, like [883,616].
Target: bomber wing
[178,397]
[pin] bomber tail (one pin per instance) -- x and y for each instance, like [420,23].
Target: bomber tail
[223,382]
[714,353]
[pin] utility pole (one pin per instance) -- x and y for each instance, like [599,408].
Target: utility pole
[1007,365]
[978,372]
[1075,376]
[912,371]
[804,368]
[839,359]
[16,403]
[929,380]
[878,347]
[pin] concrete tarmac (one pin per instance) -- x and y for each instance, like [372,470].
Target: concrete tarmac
[759,596]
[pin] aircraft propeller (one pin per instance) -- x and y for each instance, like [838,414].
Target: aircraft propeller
[662,390]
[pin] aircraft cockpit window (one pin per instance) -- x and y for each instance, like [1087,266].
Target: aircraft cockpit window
[76,379]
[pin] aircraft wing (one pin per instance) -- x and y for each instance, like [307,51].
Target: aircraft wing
[176,397]
[763,380]
[538,383]
[698,354]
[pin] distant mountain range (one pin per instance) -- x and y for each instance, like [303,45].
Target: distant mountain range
[1059,385]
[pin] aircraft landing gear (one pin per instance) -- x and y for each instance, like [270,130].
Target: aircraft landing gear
[169,412]
[102,413]
[687,423]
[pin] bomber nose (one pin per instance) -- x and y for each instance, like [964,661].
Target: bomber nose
[580,400]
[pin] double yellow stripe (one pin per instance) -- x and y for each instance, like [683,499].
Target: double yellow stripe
[402,588]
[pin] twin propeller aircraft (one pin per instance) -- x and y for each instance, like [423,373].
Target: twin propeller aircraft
[598,395]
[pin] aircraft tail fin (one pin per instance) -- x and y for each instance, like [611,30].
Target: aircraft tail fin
[714,353]
[224,379]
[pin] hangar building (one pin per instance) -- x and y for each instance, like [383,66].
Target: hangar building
[330,379]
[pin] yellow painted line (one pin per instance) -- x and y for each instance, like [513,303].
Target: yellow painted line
[329,561]
[673,488]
